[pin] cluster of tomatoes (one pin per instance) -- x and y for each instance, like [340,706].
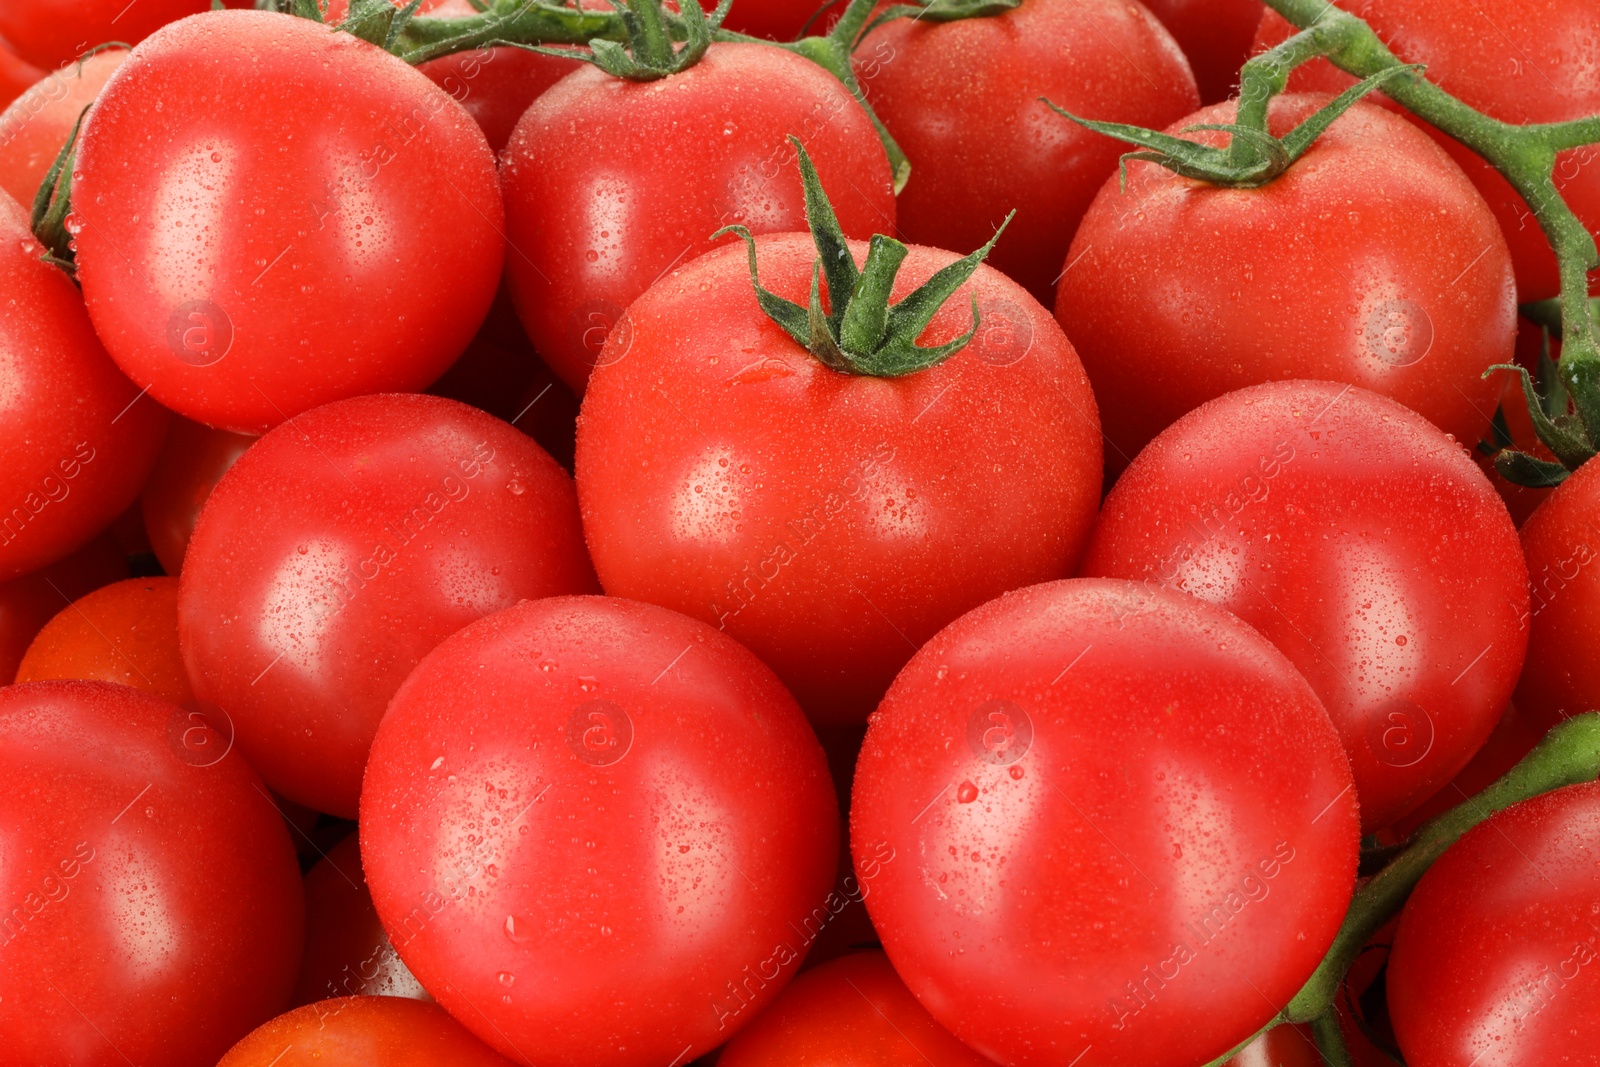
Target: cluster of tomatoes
[601,600]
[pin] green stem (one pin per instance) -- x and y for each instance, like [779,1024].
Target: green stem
[1330,1039]
[519,22]
[1261,78]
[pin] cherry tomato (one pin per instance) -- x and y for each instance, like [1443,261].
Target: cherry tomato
[598,208]
[375,1031]
[347,952]
[1362,542]
[192,460]
[27,603]
[36,125]
[1215,35]
[962,98]
[1520,61]
[342,547]
[852,1012]
[832,522]
[336,229]
[1562,675]
[1120,821]
[152,903]
[126,632]
[54,33]
[78,439]
[1496,962]
[16,74]
[1370,261]
[599,832]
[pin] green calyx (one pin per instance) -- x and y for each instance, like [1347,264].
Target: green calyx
[863,333]
[1556,407]
[648,53]
[945,10]
[53,203]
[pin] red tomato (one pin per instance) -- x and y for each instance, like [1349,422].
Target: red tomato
[1520,61]
[1362,542]
[1562,675]
[782,20]
[1121,823]
[832,522]
[597,210]
[152,903]
[53,33]
[1513,737]
[962,98]
[1495,962]
[1371,261]
[126,632]
[1282,1046]
[347,952]
[78,438]
[335,230]
[1215,35]
[27,603]
[191,462]
[600,833]
[37,124]
[16,74]
[363,1032]
[852,1012]
[340,549]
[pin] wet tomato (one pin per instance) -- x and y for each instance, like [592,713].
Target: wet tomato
[191,462]
[27,603]
[126,632]
[375,1031]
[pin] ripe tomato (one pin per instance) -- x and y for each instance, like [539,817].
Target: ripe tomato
[851,1012]
[597,210]
[78,438]
[375,1031]
[16,74]
[1495,962]
[192,460]
[37,124]
[126,632]
[1362,542]
[1561,542]
[1371,261]
[347,953]
[962,98]
[600,833]
[1520,61]
[1282,1046]
[1215,35]
[27,603]
[782,20]
[1513,737]
[1122,823]
[342,547]
[53,33]
[152,903]
[335,230]
[832,522]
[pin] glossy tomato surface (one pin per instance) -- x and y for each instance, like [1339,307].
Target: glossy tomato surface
[1520,61]
[54,33]
[611,184]
[1122,825]
[1372,261]
[1362,542]
[126,633]
[342,547]
[1215,36]
[153,908]
[372,1031]
[27,603]
[36,125]
[850,1012]
[599,832]
[1494,963]
[1561,542]
[78,437]
[16,74]
[347,953]
[264,234]
[962,99]
[192,461]
[832,522]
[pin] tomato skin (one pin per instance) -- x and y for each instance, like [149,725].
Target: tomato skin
[375,1031]
[347,953]
[27,603]
[348,544]
[870,511]
[1513,737]
[159,900]
[1157,759]
[1494,962]
[1520,61]
[78,438]
[36,125]
[1175,297]
[850,1012]
[1216,37]
[191,462]
[53,33]
[496,85]
[596,211]
[782,20]
[126,633]
[1559,541]
[16,74]
[1362,542]
[962,99]
[1282,1046]
[554,794]
[232,302]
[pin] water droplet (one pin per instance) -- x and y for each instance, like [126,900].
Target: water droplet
[1016,774]
[507,979]
[966,793]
